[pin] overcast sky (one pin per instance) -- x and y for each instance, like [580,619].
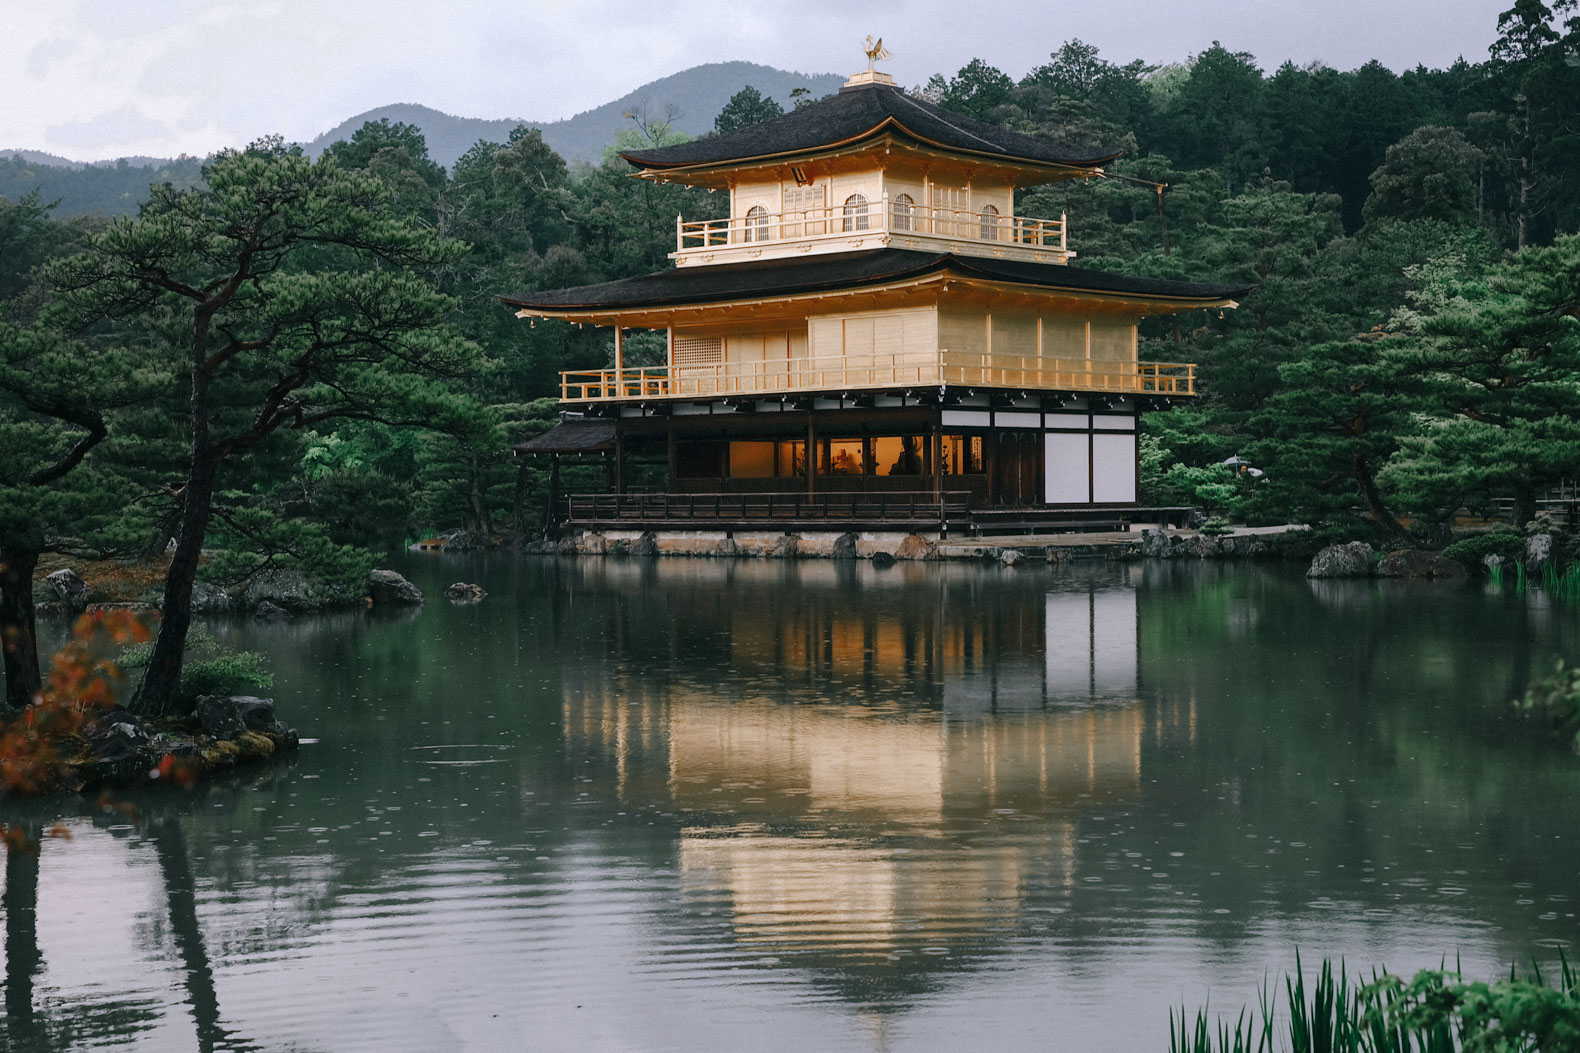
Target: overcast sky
[92,79]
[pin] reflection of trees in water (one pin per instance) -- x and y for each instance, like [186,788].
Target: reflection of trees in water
[56,1023]
[68,1023]
[175,867]
[1367,723]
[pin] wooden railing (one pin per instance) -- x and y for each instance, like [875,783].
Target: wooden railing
[884,214]
[869,372]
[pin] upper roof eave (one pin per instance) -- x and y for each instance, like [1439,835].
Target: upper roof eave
[888,126]
[857,271]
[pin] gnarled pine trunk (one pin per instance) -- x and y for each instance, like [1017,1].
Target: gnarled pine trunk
[156,692]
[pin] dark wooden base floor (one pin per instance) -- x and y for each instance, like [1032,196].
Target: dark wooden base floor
[948,514]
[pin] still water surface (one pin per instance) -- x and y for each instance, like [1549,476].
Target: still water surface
[791,806]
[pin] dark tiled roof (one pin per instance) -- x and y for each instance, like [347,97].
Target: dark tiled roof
[855,114]
[572,436]
[722,283]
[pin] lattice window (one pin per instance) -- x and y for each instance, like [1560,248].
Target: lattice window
[698,350]
[757,223]
[802,203]
[802,198]
[904,208]
[950,215]
[989,226]
[856,212]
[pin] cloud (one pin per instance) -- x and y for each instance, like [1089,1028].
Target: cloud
[46,53]
[122,127]
[196,75]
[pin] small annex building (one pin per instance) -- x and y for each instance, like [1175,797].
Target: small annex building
[873,326]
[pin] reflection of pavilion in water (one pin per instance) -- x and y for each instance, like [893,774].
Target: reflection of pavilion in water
[835,829]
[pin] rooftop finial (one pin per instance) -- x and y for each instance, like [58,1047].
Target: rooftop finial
[876,53]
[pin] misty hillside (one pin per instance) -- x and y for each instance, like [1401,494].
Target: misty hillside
[693,97]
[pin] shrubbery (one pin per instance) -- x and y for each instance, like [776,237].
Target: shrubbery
[1470,550]
[209,670]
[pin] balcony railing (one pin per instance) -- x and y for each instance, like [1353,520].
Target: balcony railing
[876,372]
[882,215]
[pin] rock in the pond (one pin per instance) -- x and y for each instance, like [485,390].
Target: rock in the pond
[462,592]
[785,547]
[1199,547]
[219,716]
[1011,557]
[294,591]
[462,541]
[914,547]
[1414,563]
[116,733]
[569,545]
[1342,561]
[257,714]
[211,599]
[882,560]
[72,590]
[388,589]
[593,544]
[265,609]
[227,717]
[1538,550]
[541,547]
[1155,544]
[845,546]
[646,545]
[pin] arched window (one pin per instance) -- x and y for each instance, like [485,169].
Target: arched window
[904,208]
[856,212]
[757,223]
[989,226]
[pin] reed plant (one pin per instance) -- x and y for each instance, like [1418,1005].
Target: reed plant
[1564,584]
[1437,1011]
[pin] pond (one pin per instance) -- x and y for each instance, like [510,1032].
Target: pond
[703,804]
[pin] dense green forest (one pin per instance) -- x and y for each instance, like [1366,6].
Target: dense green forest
[1411,348]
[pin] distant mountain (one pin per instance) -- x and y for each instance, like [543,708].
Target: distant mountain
[690,100]
[109,188]
[694,97]
[39,157]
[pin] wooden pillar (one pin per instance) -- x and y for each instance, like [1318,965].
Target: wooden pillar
[990,466]
[673,484]
[619,459]
[811,454]
[936,451]
[619,355]
[551,512]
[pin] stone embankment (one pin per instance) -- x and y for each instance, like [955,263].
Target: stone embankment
[271,594]
[885,549]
